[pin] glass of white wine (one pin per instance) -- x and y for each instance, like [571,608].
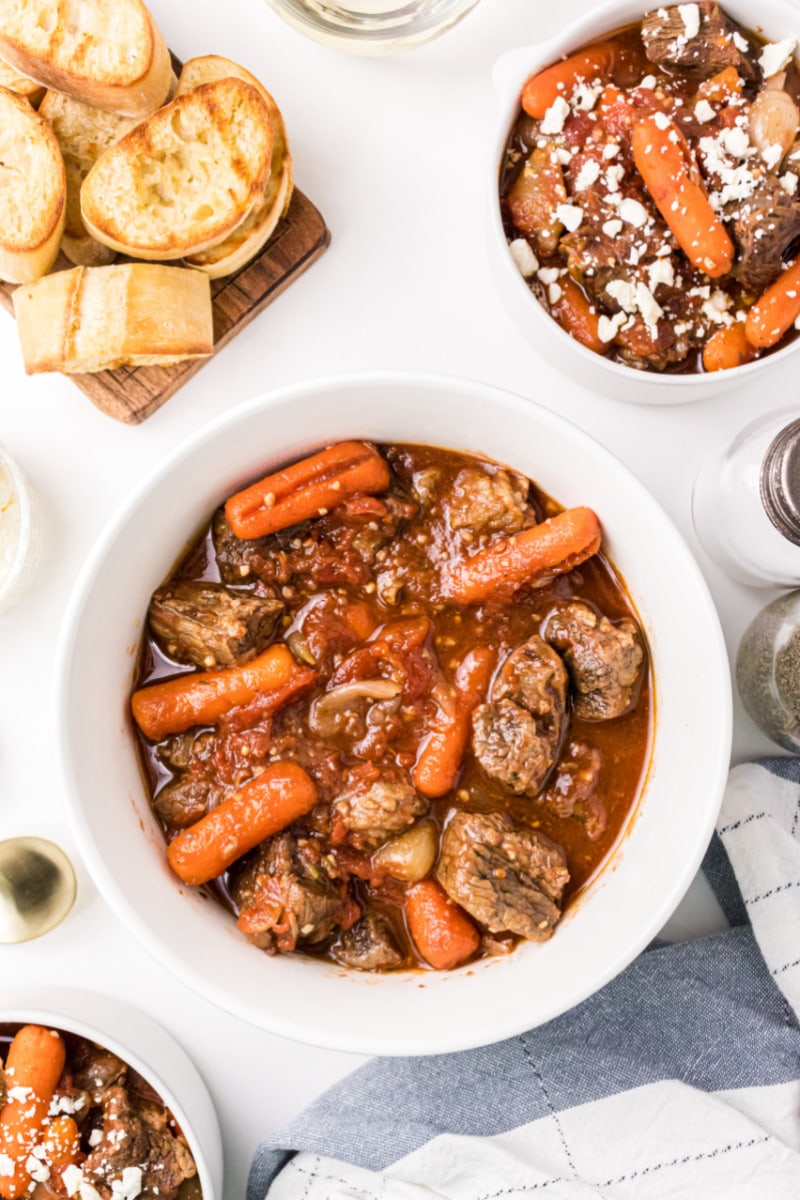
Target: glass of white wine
[372,26]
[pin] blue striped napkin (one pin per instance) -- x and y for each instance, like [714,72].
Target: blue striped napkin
[681,1078]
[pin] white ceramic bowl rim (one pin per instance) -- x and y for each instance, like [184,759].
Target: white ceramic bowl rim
[296,1006]
[19,485]
[509,73]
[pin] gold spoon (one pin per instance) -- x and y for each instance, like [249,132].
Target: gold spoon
[37,888]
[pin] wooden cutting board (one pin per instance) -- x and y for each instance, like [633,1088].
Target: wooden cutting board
[131,394]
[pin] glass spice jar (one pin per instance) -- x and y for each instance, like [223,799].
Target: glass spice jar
[746,502]
[768,670]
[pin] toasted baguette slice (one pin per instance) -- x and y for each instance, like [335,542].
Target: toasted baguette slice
[28,88]
[83,134]
[182,180]
[33,191]
[110,55]
[245,242]
[97,319]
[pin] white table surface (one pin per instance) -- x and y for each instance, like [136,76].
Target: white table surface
[392,150]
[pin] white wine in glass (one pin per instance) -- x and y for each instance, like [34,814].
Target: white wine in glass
[372,26]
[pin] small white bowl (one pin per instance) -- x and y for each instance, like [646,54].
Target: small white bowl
[776,19]
[408,1012]
[19,556]
[143,1045]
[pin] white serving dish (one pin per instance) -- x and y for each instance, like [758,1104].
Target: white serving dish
[776,19]
[25,546]
[142,1044]
[411,1012]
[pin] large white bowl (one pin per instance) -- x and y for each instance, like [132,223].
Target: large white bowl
[412,1012]
[143,1045]
[776,19]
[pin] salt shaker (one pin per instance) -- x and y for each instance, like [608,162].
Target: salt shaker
[768,670]
[746,502]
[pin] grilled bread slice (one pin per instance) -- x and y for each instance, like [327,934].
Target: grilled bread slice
[248,238]
[33,191]
[100,318]
[28,88]
[110,55]
[186,177]
[83,134]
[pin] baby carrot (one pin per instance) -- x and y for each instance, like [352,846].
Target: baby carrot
[439,759]
[541,90]
[721,87]
[575,314]
[34,1064]
[777,310]
[307,489]
[441,931]
[62,1141]
[203,698]
[264,806]
[659,151]
[728,348]
[556,546]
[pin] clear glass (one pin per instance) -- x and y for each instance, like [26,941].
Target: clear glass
[768,670]
[372,26]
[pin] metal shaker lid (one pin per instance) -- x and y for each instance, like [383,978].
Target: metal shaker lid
[780,482]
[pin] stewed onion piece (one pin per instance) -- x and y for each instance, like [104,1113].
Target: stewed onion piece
[774,121]
[411,856]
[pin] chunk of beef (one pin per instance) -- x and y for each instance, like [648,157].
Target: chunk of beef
[184,801]
[672,41]
[488,503]
[766,228]
[210,626]
[573,790]
[534,197]
[509,878]
[516,735]
[287,892]
[95,1069]
[371,812]
[604,660]
[369,946]
[135,1134]
[239,560]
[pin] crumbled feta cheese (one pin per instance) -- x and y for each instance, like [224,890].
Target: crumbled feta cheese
[38,1170]
[649,307]
[740,42]
[624,293]
[789,181]
[661,271]
[690,15]
[682,328]
[20,1094]
[584,97]
[735,141]
[607,327]
[704,291]
[95,1137]
[570,216]
[704,112]
[72,1178]
[564,156]
[526,261]
[612,228]
[776,55]
[88,1192]
[716,308]
[610,150]
[633,212]
[553,120]
[129,1186]
[614,176]
[548,275]
[772,155]
[588,174]
[554,293]
[6,1166]
[649,82]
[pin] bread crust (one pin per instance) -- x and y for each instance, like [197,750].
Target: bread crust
[242,245]
[186,177]
[33,202]
[98,319]
[136,87]
[21,84]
